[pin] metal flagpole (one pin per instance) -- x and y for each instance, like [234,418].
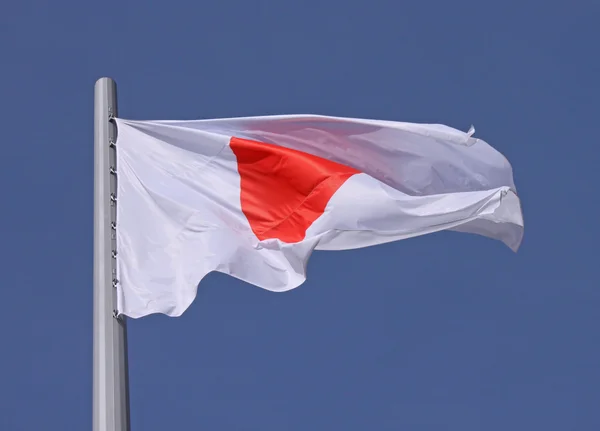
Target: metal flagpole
[111,380]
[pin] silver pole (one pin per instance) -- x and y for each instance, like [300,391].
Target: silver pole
[111,380]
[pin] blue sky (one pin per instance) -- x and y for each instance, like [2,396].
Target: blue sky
[448,331]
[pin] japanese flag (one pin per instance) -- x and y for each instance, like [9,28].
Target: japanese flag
[253,197]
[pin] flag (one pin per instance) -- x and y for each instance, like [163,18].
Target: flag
[253,197]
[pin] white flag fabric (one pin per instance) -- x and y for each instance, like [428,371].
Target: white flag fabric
[253,197]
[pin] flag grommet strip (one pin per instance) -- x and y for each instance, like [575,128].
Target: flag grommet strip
[112,150]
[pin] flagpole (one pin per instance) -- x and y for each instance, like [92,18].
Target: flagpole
[111,380]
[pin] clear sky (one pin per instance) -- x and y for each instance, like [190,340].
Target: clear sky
[444,332]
